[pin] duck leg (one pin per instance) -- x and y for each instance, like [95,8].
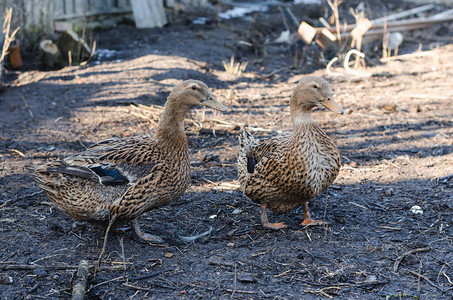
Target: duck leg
[98,263]
[266,222]
[307,221]
[145,236]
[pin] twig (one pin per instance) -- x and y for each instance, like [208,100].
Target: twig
[138,287]
[408,56]
[80,286]
[425,278]
[150,275]
[195,237]
[235,281]
[105,282]
[240,291]
[56,267]
[8,38]
[399,259]
[402,14]
[148,289]
[358,205]
[334,7]
[446,276]
[322,291]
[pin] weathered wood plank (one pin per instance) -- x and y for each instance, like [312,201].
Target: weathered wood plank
[149,13]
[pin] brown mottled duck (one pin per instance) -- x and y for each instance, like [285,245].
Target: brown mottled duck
[120,179]
[288,170]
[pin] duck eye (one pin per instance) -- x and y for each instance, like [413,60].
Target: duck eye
[194,87]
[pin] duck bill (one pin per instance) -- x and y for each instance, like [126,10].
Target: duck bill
[213,103]
[332,105]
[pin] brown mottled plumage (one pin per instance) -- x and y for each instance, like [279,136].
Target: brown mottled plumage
[119,179]
[288,170]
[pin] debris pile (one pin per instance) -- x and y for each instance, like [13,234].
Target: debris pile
[347,39]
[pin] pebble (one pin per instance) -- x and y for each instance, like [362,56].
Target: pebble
[6,279]
[389,192]
[40,272]
[236,211]
[416,210]
[246,278]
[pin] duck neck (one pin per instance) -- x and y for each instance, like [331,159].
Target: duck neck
[301,117]
[171,125]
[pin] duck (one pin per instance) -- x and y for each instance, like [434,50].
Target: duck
[288,170]
[119,179]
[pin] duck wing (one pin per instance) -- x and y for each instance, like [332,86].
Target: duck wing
[113,161]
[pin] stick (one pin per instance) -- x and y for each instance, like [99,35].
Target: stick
[235,281]
[399,259]
[80,286]
[402,14]
[195,237]
[425,278]
[56,267]
[150,275]
[408,56]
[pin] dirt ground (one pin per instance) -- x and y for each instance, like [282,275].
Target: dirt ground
[395,139]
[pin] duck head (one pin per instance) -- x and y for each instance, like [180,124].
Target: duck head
[191,93]
[312,92]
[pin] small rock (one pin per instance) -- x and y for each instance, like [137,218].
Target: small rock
[40,272]
[415,109]
[6,279]
[217,260]
[210,157]
[29,281]
[192,292]
[410,260]
[371,278]
[236,211]
[389,107]
[417,210]
[168,255]
[389,192]
[246,278]
[230,245]
[353,164]
[78,226]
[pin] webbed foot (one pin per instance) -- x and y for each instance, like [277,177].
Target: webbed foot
[146,236]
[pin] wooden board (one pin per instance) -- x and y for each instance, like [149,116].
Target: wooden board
[149,13]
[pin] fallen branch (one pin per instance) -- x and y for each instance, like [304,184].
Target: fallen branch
[322,291]
[399,259]
[8,37]
[56,267]
[402,14]
[425,279]
[408,56]
[80,286]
